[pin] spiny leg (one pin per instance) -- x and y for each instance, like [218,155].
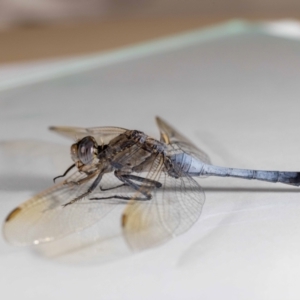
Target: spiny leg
[148,197]
[156,184]
[127,179]
[90,189]
[112,188]
[136,178]
[89,176]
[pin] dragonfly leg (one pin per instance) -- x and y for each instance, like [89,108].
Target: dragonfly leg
[112,188]
[136,178]
[127,179]
[156,184]
[90,189]
[66,172]
[81,181]
[124,198]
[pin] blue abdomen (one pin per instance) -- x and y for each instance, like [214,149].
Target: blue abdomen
[184,164]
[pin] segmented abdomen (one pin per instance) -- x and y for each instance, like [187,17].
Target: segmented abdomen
[184,164]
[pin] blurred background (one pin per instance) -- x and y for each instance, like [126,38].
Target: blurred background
[34,29]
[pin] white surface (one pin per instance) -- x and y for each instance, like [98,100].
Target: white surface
[236,97]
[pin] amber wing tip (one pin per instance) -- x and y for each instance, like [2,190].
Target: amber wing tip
[13,214]
[124,220]
[52,128]
[158,119]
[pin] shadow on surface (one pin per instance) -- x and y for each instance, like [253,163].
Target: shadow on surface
[251,190]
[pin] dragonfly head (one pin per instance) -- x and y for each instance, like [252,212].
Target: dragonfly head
[85,150]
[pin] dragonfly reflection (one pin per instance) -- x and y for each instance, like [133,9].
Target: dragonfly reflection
[153,179]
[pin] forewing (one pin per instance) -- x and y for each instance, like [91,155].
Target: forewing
[103,135]
[43,218]
[173,209]
[173,138]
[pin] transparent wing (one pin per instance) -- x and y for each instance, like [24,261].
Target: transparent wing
[178,142]
[43,218]
[173,209]
[101,134]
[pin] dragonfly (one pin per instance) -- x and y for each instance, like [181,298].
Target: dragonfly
[152,179]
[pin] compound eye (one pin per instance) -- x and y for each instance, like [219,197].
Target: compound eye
[86,150]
